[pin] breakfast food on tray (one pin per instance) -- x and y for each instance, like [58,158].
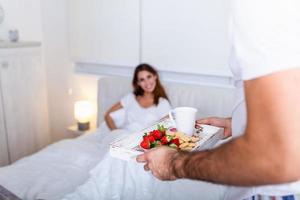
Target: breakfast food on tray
[171,138]
[187,143]
[164,132]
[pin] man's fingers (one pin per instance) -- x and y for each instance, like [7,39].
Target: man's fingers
[200,122]
[203,121]
[215,121]
[141,158]
[156,175]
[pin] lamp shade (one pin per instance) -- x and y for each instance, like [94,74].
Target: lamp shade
[83,111]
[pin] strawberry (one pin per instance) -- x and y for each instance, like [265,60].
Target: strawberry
[163,132]
[151,138]
[162,129]
[175,141]
[145,144]
[166,139]
[156,134]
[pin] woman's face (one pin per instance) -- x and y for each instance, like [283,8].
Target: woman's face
[147,81]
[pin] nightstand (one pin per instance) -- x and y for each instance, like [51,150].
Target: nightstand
[73,130]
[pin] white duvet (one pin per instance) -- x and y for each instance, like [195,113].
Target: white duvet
[114,179]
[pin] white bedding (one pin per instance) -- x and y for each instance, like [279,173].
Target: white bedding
[57,169]
[115,179]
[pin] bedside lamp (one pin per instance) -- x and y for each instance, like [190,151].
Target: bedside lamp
[83,112]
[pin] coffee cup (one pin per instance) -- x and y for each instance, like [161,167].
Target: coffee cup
[184,119]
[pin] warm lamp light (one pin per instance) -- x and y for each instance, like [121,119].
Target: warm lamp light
[83,112]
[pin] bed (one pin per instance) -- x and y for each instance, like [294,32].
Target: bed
[63,166]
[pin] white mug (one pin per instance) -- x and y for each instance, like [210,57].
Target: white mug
[184,119]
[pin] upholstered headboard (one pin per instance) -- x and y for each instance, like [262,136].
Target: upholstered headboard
[210,100]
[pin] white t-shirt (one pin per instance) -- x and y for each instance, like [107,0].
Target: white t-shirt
[138,117]
[265,38]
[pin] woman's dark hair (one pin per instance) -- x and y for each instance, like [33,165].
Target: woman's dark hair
[159,90]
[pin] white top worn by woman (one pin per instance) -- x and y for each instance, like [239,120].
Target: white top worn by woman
[133,117]
[264,42]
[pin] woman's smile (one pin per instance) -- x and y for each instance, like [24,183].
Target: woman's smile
[147,81]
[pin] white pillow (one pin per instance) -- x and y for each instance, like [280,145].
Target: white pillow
[119,117]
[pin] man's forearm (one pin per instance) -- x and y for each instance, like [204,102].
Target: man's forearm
[267,152]
[235,163]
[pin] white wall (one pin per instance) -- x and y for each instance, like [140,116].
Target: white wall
[186,36]
[24,16]
[105,31]
[64,87]
[175,36]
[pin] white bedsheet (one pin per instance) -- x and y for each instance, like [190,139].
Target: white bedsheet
[57,169]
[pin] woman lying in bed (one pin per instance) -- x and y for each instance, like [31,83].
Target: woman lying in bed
[147,104]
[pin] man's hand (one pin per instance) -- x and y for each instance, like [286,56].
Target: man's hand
[160,161]
[219,122]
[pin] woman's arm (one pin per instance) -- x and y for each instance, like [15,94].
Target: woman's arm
[109,121]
